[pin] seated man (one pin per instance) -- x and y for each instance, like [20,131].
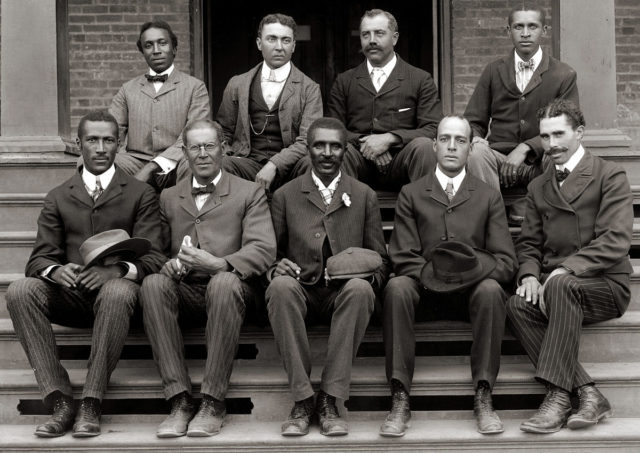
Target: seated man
[59,287]
[451,252]
[317,216]
[574,266]
[390,108]
[265,113]
[221,240]
[152,109]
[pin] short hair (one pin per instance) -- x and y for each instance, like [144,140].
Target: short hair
[97,115]
[327,123]
[157,24]
[393,23]
[559,107]
[278,18]
[203,124]
[524,7]
[460,117]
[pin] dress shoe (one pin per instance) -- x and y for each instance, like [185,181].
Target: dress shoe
[88,418]
[299,419]
[552,414]
[62,418]
[593,407]
[486,418]
[397,420]
[182,410]
[331,424]
[209,419]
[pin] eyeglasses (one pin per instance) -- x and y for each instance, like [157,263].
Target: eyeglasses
[208,147]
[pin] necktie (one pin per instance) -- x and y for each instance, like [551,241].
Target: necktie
[449,190]
[209,188]
[561,175]
[98,190]
[378,77]
[522,65]
[272,76]
[156,78]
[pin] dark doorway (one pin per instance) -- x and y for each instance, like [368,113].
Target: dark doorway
[328,41]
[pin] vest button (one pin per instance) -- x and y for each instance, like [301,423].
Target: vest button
[197,220]
[317,235]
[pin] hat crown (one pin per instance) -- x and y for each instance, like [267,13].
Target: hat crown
[452,258]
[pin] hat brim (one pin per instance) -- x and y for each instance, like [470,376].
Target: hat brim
[487,262]
[132,248]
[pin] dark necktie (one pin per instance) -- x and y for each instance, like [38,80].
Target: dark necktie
[561,175]
[156,78]
[522,65]
[209,188]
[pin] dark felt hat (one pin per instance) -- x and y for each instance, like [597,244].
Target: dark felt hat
[111,242]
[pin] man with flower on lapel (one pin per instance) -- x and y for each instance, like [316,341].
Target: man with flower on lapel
[316,216]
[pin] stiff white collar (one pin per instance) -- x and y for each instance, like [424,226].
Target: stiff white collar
[280,73]
[573,160]
[537,58]
[386,68]
[444,179]
[167,71]
[332,185]
[89,178]
[215,181]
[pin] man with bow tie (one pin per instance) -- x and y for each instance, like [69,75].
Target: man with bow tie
[265,112]
[574,266]
[209,280]
[507,96]
[153,109]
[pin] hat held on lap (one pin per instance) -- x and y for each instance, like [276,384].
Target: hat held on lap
[455,266]
[112,242]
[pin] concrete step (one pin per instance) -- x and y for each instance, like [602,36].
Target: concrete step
[612,435]
[34,174]
[20,211]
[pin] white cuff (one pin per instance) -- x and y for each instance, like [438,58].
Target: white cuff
[165,164]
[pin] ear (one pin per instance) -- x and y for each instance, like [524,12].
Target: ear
[259,43]
[580,132]
[544,29]
[395,36]
[507,30]
[79,143]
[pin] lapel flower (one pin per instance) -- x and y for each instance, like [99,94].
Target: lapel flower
[346,200]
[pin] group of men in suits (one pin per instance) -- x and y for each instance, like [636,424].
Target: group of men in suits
[216,244]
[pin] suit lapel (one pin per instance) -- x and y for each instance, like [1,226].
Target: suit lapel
[186,200]
[395,78]
[288,89]
[344,187]
[78,190]
[507,73]
[215,199]
[536,78]
[578,179]
[551,191]
[243,100]
[114,190]
[312,193]
[464,192]
[171,83]
[364,79]
[432,185]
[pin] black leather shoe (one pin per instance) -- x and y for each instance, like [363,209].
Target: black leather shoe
[209,419]
[331,424]
[62,418]
[552,414]
[486,418]
[593,408]
[88,418]
[299,419]
[397,420]
[182,410]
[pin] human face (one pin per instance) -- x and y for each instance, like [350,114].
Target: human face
[452,145]
[526,31]
[377,40]
[157,49]
[204,163]
[559,140]
[98,144]
[326,150]
[276,44]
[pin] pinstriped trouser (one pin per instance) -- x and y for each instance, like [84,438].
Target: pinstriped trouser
[553,344]
[220,305]
[33,304]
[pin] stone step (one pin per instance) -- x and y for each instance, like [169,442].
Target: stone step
[20,211]
[34,175]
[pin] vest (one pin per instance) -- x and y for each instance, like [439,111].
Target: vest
[266,139]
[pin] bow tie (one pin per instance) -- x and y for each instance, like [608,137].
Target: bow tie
[156,78]
[209,188]
[561,175]
[522,65]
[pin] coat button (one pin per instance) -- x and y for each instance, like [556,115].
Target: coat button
[317,235]
[443,238]
[197,220]
[155,101]
[449,211]
[522,98]
[521,121]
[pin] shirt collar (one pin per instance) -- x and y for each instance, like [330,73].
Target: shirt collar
[89,178]
[215,181]
[444,179]
[320,184]
[281,73]
[537,58]
[167,71]
[573,160]
[386,68]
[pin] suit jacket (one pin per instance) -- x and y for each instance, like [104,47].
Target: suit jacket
[69,217]
[407,104]
[234,223]
[586,225]
[424,218]
[512,113]
[151,123]
[302,222]
[300,105]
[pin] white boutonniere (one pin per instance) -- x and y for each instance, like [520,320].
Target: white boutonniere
[346,200]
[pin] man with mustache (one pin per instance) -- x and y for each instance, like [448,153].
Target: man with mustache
[316,216]
[390,108]
[574,266]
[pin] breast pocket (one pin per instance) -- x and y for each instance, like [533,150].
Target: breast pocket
[403,118]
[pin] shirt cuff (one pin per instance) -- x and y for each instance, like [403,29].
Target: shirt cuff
[132,274]
[46,274]
[165,164]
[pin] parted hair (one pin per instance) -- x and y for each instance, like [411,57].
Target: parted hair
[525,7]
[278,18]
[559,107]
[393,23]
[157,24]
[327,123]
[203,124]
[97,115]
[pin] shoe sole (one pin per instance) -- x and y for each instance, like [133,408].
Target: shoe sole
[535,430]
[385,434]
[49,435]
[295,434]
[579,423]
[493,431]
[201,433]
[170,435]
[334,434]
[80,435]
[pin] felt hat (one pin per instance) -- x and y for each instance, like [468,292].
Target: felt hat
[111,242]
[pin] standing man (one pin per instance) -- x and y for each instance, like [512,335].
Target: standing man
[574,266]
[152,109]
[390,108]
[508,95]
[265,113]
[316,216]
[452,253]
[59,288]
[221,241]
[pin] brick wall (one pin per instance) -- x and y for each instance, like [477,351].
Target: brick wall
[628,67]
[102,46]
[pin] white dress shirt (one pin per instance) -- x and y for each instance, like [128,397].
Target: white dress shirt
[202,198]
[326,191]
[523,76]
[572,162]
[379,78]
[272,82]
[165,164]
[444,179]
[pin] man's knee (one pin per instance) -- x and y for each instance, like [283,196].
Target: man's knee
[516,305]
[225,288]
[557,287]
[283,291]
[399,291]
[359,294]
[119,294]
[152,288]
[21,293]
[487,294]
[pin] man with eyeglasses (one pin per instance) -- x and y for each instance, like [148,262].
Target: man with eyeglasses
[265,112]
[221,241]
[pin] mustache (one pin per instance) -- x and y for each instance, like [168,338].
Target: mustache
[371,46]
[557,149]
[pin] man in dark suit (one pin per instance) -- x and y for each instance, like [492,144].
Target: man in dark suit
[221,240]
[508,95]
[152,109]
[265,112]
[316,216]
[574,266]
[447,205]
[58,288]
[390,108]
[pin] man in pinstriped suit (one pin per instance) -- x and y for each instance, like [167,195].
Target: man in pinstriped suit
[574,266]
